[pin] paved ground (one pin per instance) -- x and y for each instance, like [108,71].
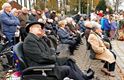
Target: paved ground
[82,58]
[118,47]
[83,61]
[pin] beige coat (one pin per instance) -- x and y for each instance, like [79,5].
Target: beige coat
[100,49]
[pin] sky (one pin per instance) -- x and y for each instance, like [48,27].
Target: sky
[121,6]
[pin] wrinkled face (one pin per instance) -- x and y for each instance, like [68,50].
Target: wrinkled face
[33,12]
[56,19]
[38,12]
[99,31]
[16,13]
[37,30]
[25,11]
[8,8]
[81,18]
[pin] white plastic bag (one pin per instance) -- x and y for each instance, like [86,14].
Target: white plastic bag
[17,33]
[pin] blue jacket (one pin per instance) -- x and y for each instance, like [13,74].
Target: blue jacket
[65,36]
[32,18]
[106,24]
[9,22]
[81,25]
[102,23]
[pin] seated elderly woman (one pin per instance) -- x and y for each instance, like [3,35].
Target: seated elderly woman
[101,51]
[66,37]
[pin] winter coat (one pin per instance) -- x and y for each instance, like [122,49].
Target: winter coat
[65,36]
[99,48]
[37,52]
[9,23]
[106,24]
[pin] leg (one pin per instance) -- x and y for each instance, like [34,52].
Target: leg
[112,65]
[109,68]
[66,71]
[75,69]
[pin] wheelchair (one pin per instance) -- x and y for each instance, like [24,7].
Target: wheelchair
[44,72]
[6,54]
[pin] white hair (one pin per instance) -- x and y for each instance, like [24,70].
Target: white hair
[5,5]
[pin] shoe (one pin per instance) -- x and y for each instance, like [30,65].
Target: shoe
[112,74]
[105,71]
[103,61]
[71,52]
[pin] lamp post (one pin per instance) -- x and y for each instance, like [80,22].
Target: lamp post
[79,6]
[44,4]
[92,5]
[88,9]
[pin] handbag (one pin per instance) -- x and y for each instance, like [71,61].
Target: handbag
[90,73]
[92,54]
[17,33]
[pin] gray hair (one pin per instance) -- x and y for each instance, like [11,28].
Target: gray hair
[5,5]
[95,28]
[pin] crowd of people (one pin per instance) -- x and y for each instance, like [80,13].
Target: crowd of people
[42,31]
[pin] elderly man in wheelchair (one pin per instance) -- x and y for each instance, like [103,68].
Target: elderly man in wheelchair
[40,62]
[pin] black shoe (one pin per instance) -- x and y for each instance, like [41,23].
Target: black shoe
[103,61]
[57,53]
[71,52]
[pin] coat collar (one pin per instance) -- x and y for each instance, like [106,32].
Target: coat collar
[92,32]
[34,36]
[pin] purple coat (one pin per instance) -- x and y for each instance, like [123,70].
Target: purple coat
[113,25]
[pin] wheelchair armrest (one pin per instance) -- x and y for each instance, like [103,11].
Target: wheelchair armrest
[40,68]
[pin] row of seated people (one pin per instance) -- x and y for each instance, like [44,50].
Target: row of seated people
[73,39]
[37,53]
[108,56]
[64,32]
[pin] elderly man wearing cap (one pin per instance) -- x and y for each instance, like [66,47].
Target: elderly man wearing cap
[101,51]
[37,52]
[9,23]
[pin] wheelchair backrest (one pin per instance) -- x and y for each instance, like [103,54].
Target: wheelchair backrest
[19,56]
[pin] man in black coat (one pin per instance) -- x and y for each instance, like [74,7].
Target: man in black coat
[37,52]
